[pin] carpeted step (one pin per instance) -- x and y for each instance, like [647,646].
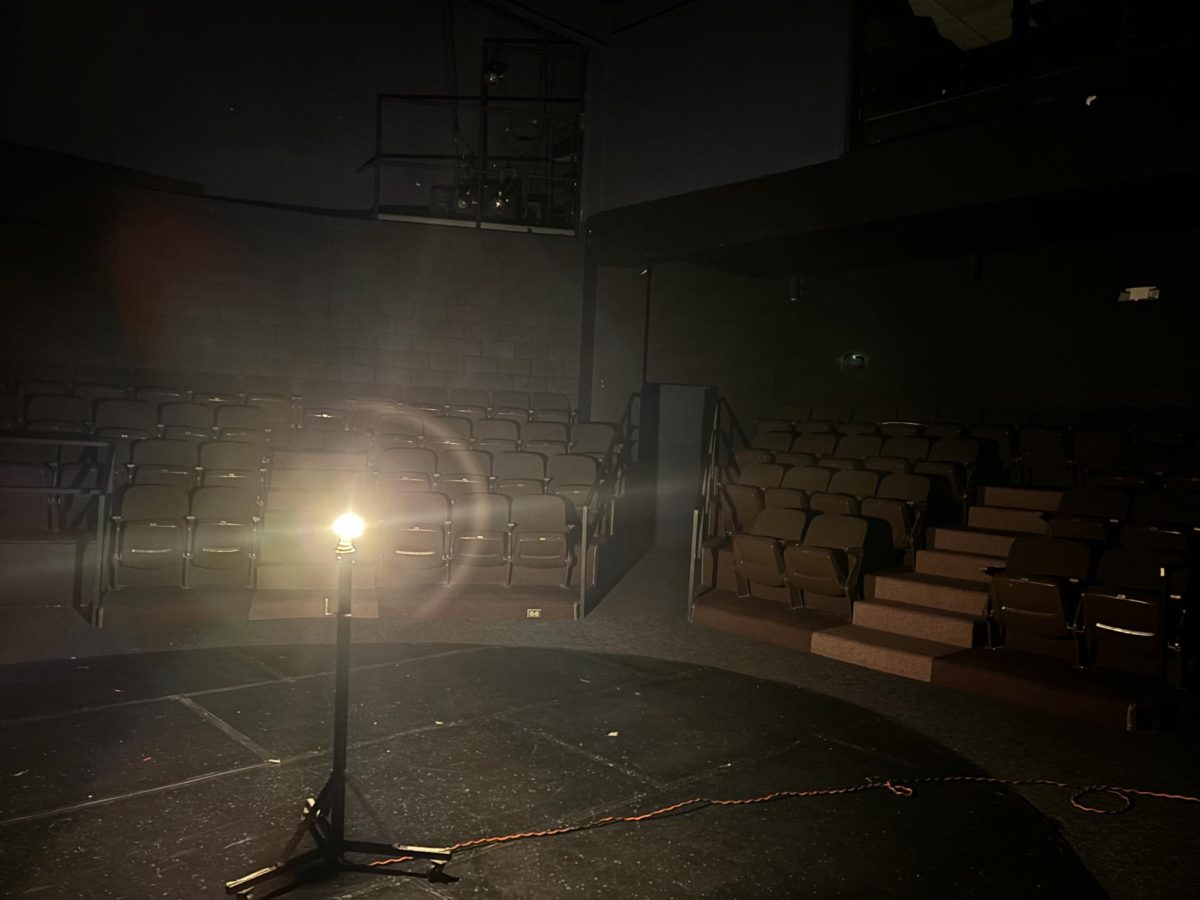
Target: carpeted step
[897,654]
[972,540]
[932,592]
[996,518]
[1036,499]
[964,566]
[955,629]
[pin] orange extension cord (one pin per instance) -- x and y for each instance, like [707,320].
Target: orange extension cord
[1122,794]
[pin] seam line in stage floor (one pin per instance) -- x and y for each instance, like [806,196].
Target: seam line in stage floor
[573,748]
[225,728]
[262,666]
[298,757]
[45,717]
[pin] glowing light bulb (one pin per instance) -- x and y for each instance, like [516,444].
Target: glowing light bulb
[348,526]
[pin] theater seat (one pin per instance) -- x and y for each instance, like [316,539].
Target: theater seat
[464,472]
[901,501]
[222,548]
[416,532]
[1035,596]
[519,473]
[479,530]
[150,531]
[1166,521]
[542,534]
[1089,514]
[827,567]
[495,435]
[758,554]
[845,493]
[162,461]
[402,469]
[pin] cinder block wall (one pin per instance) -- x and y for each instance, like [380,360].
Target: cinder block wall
[144,278]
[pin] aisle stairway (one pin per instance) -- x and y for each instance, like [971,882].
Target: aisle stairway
[908,619]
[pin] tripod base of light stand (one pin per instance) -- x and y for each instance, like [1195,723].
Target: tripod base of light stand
[330,850]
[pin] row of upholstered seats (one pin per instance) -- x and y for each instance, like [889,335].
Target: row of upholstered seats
[1114,607]
[165,535]
[1165,520]
[1117,418]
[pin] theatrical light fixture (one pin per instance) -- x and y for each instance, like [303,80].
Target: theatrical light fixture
[324,818]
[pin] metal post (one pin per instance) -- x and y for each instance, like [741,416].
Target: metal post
[581,604]
[378,150]
[341,697]
[692,562]
[1160,716]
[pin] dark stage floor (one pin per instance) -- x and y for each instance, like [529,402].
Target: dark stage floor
[163,774]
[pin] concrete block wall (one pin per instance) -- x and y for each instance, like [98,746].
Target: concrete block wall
[162,280]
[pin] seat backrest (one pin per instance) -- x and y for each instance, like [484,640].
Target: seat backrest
[793,413]
[227,503]
[164,452]
[816,444]
[837,533]
[171,379]
[762,475]
[1167,508]
[807,478]
[230,455]
[785,498]
[1096,449]
[1136,569]
[510,400]
[572,468]
[907,447]
[236,416]
[873,413]
[153,502]
[58,407]
[398,423]
[909,488]
[425,395]
[496,429]
[132,414]
[815,426]
[790,459]
[417,509]
[464,462]
[855,483]
[210,385]
[833,413]
[469,397]
[482,512]
[406,459]
[959,450]
[447,427]
[962,415]
[1096,502]
[1049,556]
[266,386]
[543,431]
[781,523]
[859,446]
[117,376]
[540,512]
[519,464]
[188,415]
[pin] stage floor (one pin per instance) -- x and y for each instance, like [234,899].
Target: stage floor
[164,774]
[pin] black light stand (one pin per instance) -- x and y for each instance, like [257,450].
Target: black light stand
[325,817]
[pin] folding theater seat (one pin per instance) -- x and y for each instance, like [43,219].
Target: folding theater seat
[901,501]
[908,448]
[496,435]
[827,567]
[164,462]
[758,553]
[1089,514]
[772,425]
[216,388]
[772,440]
[518,474]
[874,414]
[232,464]
[1166,521]
[1043,453]
[403,469]
[247,424]
[323,428]
[573,477]
[749,456]
[939,430]
[888,465]
[1122,612]
[186,421]
[1096,452]
[366,410]
[103,382]
[744,499]
[595,439]
[479,531]
[224,536]
[447,433]
[833,413]
[548,407]
[954,462]
[57,412]
[427,397]
[785,498]
[150,535]
[1000,441]
[792,460]
[547,438]
[1139,466]
[122,423]
[815,426]
[464,472]
[1183,473]
[157,386]
[1035,597]
[816,444]
[274,397]
[542,535]
[398,431]
[415,536]
[810,479]
[856,447]
[917,415]
[845,493]
[468,403]
[513,405]
[850,429]
[901,429]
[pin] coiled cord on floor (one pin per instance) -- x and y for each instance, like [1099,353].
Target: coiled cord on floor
[1123,795]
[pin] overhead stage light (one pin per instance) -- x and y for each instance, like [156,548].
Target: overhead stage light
[348,526]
